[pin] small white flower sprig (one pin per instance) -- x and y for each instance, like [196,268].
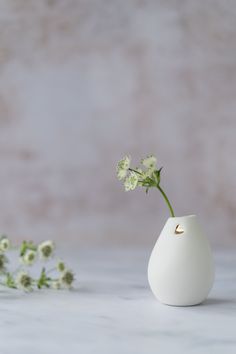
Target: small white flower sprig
[147,175]
[58,277]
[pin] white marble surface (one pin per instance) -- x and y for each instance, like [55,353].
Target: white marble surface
[112,311]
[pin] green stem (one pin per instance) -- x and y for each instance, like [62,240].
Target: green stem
[162,192]
[139,173]
[167,201]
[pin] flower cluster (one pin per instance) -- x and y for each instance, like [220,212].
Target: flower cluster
[29,253]
[145,175]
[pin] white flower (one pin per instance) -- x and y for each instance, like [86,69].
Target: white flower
[4,244]
[24,281]
[29,257]
[61,266]
[67,278]
[46,249]
[122,167]
[148,173]
[149,162]
[56,284]
[131,181]
[140,173]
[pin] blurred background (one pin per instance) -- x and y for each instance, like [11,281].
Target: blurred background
[84,82]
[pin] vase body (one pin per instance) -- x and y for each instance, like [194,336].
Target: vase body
[181,267]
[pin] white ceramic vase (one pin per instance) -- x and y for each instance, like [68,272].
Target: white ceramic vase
[181,267]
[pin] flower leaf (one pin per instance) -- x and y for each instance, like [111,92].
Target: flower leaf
[157,175]
[43,280]
[10,282]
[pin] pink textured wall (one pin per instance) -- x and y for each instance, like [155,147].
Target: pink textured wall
[83,83]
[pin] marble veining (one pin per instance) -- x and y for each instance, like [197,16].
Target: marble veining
[112,310]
